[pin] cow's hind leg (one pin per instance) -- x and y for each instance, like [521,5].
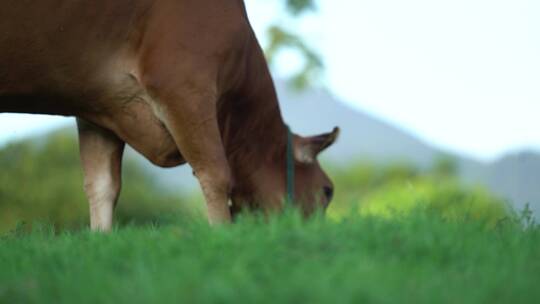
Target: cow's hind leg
[101,156]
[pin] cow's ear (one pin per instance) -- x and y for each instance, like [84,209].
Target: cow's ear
[306,149]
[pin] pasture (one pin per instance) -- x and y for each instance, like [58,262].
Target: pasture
[419,258]
[394,234]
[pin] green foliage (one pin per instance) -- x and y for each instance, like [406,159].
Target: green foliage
[43,182]
[418,259]
[399,189]
[297,7]
[283,36]
[445,166]
[446,199]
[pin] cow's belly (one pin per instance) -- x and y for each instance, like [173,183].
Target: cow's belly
[111,98]
[124,107]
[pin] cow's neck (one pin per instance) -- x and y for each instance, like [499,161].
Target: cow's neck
[252,127]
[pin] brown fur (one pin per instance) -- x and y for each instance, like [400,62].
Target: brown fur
[178,80]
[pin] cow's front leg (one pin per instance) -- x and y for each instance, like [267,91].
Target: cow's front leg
[190,115]
[101,156]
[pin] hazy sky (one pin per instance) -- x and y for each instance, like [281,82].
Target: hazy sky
[462,74]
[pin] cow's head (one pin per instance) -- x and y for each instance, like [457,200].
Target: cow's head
[266,188]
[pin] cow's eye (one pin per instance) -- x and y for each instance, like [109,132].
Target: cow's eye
[328,192]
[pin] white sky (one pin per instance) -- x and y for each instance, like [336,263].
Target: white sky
[462,74]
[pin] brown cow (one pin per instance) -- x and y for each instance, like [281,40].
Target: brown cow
[178,80]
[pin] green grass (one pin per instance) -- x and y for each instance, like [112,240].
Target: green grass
[418,258]
[395,233]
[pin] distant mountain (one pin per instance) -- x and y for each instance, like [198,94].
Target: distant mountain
[517,177]
[362,136]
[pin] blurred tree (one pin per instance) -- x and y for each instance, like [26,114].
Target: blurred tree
[394,190]
[445,167]
[283,37]
[41,180]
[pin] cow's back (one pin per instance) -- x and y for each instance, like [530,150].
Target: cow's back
[56,49]
[67,51]
[88,58]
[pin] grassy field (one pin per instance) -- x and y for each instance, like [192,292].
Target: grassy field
[395,233]
[418,258]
